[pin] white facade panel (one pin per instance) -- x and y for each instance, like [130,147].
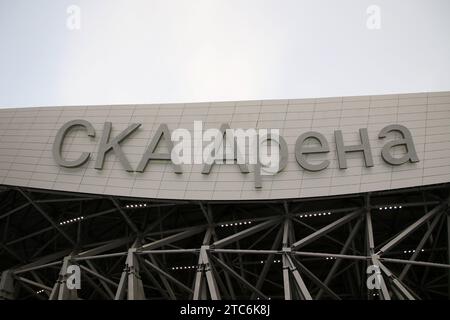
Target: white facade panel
[27,136]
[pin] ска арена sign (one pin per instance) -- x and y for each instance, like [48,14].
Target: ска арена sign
[265,149]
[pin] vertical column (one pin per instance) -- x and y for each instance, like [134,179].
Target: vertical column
[448,249]
[285,243]
[205,272]
[61,290]
[371,251]
[7,285]
[130,280]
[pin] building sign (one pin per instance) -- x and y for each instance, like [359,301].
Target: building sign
[265,149]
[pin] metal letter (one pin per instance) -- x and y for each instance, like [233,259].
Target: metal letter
[59,140]
[300,151]
[105,146]
[407,141]
[208,166]
[283,158]
[364,147]
[150,153]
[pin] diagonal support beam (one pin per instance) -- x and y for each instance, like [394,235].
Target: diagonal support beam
[11,252]
[316,280]
[411,228]
[125,216]
[244,233]
[155,283]
[46,216]
[173,238]
[103,280]
[304,292]
[396,282]
[168,276]
[337,262]
[268,263]
[34,283]
[238,277]
[327,229]
[12,211]
[105,247]
[420,246]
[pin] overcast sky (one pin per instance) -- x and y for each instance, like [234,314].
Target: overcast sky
[146,51]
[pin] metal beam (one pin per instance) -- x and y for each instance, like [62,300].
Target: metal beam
[60,290]
[43,262]
[238,277]
[46,216]
[155,282]
[210,279]
[130,280]
[411,228]
[323,231]
[316,280]
[105,247]
[268,262]
[125,216]
[7,214]
[168,276]
[337,262]
[173,238]
[397,283]
[304,292]
[34,283]
[242,234]
[370,243]
[285,244]
[103,280]
[199,281]
[448,250]
[416,263]
[383,289]
[420,246]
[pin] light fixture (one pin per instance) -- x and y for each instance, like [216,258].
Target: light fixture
[317,214]
[390,207]
[412,251]
[71,220]
[183,267]
[136,205]
[235,224]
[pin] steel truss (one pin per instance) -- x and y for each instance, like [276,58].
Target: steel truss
[134,248]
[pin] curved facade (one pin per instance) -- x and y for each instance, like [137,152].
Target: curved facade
[367,190]
[28,135]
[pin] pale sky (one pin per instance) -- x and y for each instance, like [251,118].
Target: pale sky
[147,51]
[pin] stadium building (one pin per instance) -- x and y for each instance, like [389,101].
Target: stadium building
[359,208]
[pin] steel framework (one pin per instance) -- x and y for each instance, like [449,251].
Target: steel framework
[134,248]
